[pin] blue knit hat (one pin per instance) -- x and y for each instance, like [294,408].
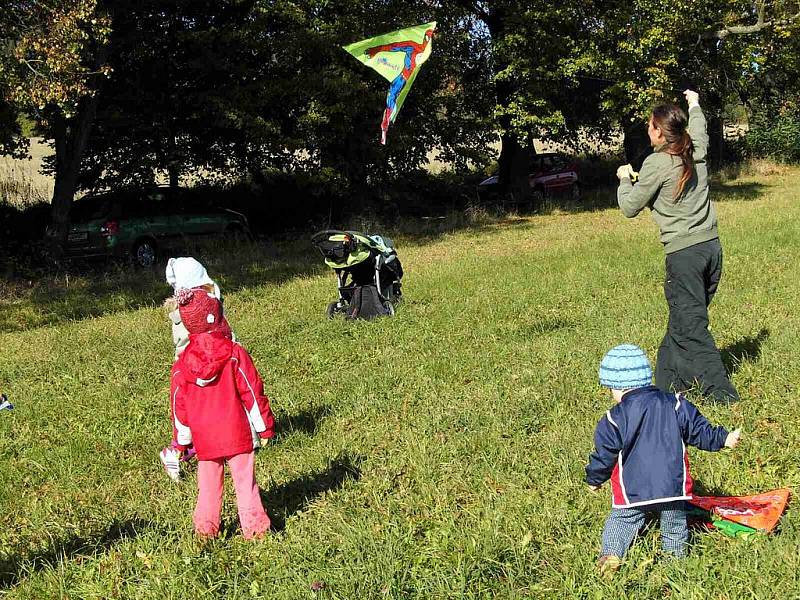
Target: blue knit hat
[625,367]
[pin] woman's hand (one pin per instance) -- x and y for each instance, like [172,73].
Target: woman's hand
[624,172]
[692,97]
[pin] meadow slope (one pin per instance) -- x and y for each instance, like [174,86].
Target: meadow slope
[438,454]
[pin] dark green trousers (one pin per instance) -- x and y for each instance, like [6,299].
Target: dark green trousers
[688,355]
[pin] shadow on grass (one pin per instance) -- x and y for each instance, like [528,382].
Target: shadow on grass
[545,325]
[723,192]
[85,291]
[15,567]
[92,290]
[746,349]
[306,421]
[536,327]
[293,496]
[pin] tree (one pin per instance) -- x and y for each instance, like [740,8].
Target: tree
[53,57]
[651,50]
[183,77]
[536,55]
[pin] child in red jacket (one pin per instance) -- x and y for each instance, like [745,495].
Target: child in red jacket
[217,394]
[184,272]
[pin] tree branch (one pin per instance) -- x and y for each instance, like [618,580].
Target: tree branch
[27,63]
[759,25]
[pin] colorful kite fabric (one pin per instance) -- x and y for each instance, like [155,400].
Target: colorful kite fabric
[761,512]
[397,56]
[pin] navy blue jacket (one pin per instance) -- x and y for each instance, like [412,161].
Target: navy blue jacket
[641,446]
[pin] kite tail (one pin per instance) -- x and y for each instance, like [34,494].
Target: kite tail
[387,115]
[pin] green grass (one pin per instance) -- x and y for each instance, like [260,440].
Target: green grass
[438,454]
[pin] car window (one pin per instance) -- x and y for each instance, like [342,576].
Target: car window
[194,204]
[559,162]
[157,195]
[138,207]
[149,203]
[90,208]
[535,163]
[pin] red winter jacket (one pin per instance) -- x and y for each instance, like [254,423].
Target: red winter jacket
[217,395]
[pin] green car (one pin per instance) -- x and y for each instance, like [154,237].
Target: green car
[143,224]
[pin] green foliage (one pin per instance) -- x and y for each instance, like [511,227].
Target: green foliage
[238,89]
[775,133]
[243,89]
[49,52]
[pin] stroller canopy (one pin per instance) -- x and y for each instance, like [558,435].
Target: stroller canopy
[344,249]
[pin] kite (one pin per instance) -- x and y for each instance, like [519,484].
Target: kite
[397,56]
[744,515]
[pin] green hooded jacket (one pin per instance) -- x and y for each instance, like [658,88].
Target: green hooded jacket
[688,220]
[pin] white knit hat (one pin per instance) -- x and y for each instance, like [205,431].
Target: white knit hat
[187,272]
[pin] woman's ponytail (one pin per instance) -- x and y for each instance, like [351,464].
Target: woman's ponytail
[673,123]
[685,150]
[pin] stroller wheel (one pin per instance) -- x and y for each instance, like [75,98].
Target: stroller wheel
[330,312]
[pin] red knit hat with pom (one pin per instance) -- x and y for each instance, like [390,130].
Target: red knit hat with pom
[201,312]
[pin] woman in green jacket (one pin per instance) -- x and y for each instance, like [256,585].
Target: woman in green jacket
[673,183]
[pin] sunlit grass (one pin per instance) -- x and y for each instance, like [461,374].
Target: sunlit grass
[438,454]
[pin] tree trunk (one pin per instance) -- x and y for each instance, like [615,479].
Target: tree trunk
[513,168]
[512,173]
[716,132]
[71,137]
[174,176]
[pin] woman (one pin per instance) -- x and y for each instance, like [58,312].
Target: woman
[673,183]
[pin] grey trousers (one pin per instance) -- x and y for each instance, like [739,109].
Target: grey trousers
[688,355]
[623,524]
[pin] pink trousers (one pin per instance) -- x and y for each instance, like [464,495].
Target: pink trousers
[210,477]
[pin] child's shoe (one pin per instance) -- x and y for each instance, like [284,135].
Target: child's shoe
[170,458]
[609,565]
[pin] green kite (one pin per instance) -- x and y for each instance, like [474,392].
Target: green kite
[397,56]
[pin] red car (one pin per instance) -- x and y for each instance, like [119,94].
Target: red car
[549,174]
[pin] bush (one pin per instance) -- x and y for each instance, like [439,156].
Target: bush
[775,133]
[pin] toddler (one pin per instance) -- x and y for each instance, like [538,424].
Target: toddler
[184,272]
[218,395]
[640,445]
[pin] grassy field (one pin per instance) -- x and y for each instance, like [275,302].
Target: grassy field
[438,454]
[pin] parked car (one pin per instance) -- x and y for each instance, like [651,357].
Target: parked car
[141,224]
[549,174]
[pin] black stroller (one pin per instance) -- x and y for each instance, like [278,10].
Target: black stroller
[368,273]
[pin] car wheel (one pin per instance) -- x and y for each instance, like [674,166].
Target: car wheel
[144,253]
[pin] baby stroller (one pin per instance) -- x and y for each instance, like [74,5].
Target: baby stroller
[368,273]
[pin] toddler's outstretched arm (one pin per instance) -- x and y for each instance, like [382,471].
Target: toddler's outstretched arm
[696,429]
